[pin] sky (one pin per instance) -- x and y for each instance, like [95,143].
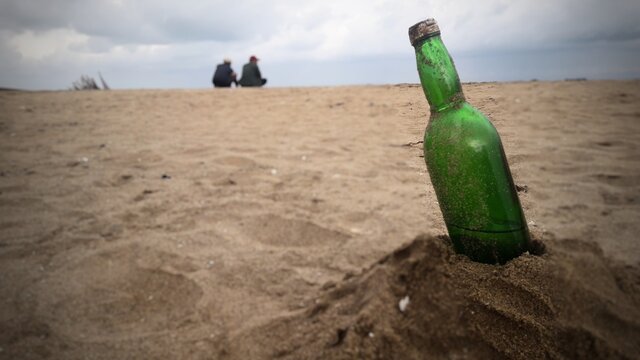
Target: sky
[48,44]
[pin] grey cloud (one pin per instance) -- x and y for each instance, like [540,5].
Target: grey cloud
[595,20]
[544,24]
[142,21]
[616,35]
[32,15]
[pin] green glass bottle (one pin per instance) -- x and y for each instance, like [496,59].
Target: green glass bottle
[466,161]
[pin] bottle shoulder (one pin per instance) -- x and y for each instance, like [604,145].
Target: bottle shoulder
[462,125]
[463,116]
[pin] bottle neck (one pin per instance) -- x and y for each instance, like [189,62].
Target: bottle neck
[438,75]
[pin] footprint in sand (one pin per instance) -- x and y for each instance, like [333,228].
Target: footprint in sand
[111,295]
[236,161]
[617,180]
[617,198]
[278,231]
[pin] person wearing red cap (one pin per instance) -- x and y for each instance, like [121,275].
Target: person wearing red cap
[251,73]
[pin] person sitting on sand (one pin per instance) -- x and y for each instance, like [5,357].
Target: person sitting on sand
[224,75]
[251,73]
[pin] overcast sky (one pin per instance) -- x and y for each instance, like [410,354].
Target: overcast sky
[47,44]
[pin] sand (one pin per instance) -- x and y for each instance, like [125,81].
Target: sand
[291,223]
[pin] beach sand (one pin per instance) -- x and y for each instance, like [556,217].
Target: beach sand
[292,222]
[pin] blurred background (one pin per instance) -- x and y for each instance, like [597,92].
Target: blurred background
[169,44]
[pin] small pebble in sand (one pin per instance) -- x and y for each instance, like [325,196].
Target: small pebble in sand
[404,302]
[356,230]
[371,335]
[210,263]
[274,172]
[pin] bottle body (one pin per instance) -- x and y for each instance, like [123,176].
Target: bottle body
[466,161]
[473,184]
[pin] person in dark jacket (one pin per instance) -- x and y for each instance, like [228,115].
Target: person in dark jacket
[251,73]
[224,75]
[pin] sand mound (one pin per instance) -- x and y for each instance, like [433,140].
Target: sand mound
[570,302]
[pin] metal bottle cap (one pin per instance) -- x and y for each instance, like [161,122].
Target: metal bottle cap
[423,30]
